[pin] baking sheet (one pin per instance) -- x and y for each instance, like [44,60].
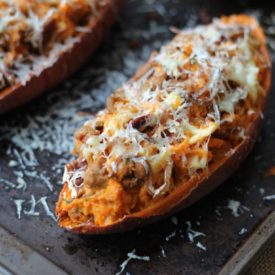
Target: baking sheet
[35,142]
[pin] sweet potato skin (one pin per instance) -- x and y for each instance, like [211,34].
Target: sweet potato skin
[67,63]
[198,186]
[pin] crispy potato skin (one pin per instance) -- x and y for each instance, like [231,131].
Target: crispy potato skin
[67,63]
[198,186]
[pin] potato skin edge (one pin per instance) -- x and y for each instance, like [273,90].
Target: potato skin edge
[179,200]
[67,63]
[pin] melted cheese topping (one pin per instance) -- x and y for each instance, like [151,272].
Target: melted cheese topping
[180,112]
[33,34]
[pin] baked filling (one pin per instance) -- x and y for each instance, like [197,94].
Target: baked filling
[185,110]
[34,33]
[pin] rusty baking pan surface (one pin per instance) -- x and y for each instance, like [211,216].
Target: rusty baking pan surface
[35,142]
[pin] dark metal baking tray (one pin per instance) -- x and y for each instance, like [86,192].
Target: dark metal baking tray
[142,27]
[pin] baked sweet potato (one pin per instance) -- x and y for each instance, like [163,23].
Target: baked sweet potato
[44,42]
[173,133]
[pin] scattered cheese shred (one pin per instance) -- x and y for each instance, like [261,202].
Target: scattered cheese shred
[47,182]
[201,246]
[21,183]
[19,204]
[163,253]
[243,231]
[192,234]
[31,211]
[236,208]
[262,191]
[132,256]
[170,236]
[49,213]
[270,197]
[8,183]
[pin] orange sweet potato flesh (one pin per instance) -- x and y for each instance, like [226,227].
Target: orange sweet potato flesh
[200,184]
[68,62]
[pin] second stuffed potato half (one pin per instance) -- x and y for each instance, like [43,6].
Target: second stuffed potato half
[43,42]
[173,133]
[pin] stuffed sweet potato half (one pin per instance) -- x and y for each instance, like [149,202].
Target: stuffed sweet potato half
[43,42]
[173,133]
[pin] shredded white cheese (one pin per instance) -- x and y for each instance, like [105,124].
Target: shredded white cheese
[132,256]
[163,253]
[170,236]
[49,213]
[236,208]
[192,234]
[270,197]
[21,183]
[8,183]
[31,211]
[33,203]
[242,231]
[201,246]
[13,163]
[18,204]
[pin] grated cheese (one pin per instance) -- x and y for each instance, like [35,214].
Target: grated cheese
[192,234]
[170,236]
[236,208]
[43,201]
[8,183]
[18,204]
[21,183]
[31,211]
[242,231]
[132,256]
[46,180]
[270,197]
[13,163]
[163,253]
[262,191]
[201,246]
[71,177]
